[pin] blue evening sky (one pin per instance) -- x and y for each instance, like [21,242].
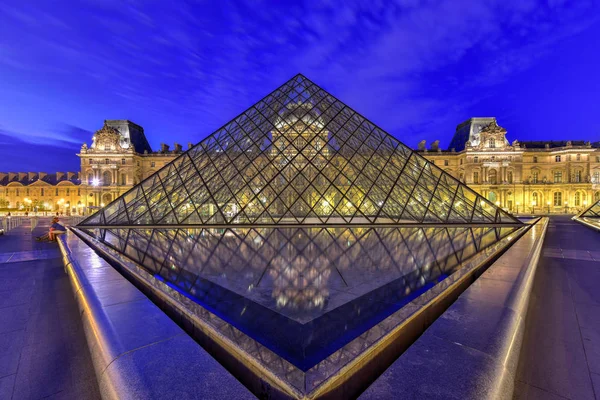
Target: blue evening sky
[181,69]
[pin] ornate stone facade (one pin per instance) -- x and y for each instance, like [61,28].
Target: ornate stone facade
[118,158]
[522,177]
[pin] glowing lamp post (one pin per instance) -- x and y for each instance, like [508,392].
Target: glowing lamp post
[28,202]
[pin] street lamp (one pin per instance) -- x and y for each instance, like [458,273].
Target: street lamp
[548,203]
[27,201]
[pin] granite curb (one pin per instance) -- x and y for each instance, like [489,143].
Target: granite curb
[472,350]
[137,350]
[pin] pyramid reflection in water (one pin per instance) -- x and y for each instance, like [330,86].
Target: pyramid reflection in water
[306,214]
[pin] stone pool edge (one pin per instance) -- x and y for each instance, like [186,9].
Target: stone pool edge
[170,364]
[472,350]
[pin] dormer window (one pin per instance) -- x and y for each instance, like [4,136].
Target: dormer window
[492,143]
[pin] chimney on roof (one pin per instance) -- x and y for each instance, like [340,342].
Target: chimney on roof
[2,175]
[60,176]
[11,176]
[22,175]
[190,145]
[42,175]
[164,148]
[435,146]
[421,145]
[31,176]
[71,175]
[177,148]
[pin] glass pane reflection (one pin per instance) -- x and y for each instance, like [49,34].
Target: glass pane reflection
[302,292]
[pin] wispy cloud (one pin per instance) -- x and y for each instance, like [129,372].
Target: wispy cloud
[413,66]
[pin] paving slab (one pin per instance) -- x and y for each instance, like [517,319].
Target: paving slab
[43,351]
[561,347]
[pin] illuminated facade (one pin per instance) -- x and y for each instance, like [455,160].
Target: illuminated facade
[118,158]
[522,177]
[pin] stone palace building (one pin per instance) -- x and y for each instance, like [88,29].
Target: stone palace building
[522,177]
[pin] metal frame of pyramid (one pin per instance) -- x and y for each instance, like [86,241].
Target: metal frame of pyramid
[299,156]
[299,196]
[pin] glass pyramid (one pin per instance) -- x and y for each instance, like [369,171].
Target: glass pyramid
[300,231]
[299,156]
[591,212]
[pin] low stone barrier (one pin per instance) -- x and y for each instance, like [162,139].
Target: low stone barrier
[137,351]
[472,350]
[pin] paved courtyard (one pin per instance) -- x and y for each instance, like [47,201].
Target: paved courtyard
[561,350]
[43,351]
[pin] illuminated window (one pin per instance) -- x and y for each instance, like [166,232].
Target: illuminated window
[534,199]
[596,178]
[557,199]
[577,176]
[577,199]
[535,177]
[558,177]
[557,158]
[475,177]
[492,143]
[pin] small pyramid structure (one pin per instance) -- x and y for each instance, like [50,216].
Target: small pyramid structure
[592,211]
[299,156]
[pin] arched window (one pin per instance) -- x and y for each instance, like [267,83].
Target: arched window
[557,199]
[534,199]
[493,177]
[492,197]
[106,178]
[577,199]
